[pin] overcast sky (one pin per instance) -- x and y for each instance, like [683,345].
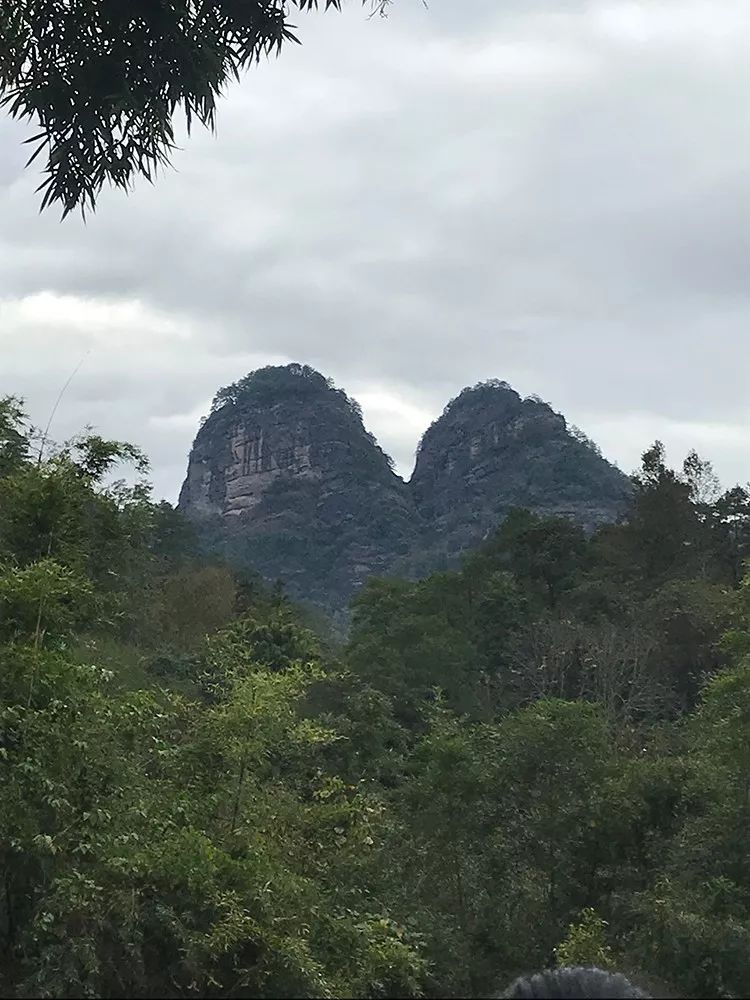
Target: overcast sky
[551,192]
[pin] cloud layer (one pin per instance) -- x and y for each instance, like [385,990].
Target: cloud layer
[554,192]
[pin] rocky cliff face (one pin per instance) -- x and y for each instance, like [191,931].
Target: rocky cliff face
[491,451]
[284,478]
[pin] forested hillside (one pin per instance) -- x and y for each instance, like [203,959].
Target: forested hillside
[539,757]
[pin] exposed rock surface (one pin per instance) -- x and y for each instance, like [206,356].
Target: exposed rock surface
[284,478]
[492,450]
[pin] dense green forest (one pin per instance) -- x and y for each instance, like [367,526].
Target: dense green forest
[542,757]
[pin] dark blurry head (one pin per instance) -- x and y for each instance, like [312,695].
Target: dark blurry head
[574,982]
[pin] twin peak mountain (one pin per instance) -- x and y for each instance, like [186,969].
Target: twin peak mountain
[284,479]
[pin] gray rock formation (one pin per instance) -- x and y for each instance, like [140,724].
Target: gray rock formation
[491,451]
[283,478]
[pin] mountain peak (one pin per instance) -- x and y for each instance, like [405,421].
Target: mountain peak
[492,450]
[286,479]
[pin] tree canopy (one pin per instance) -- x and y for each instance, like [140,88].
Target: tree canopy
[539,759]
[103,82]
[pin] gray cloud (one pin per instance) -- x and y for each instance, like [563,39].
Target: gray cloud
[554,192]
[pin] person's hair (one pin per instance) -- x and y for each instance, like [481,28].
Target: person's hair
[572,983]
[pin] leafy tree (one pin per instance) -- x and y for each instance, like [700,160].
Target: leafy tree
[499,611]
[701,478]
[586,943]
[408,639]
[731,527]
[435,860]
[43,602]
[152,846]
[693,925]
[59,507]
[103,82]
[274,642]
[664,527]
[14,438]
[194,602]
[172,539]
[498,828]
[546,554]
[690,618]
[540,757]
